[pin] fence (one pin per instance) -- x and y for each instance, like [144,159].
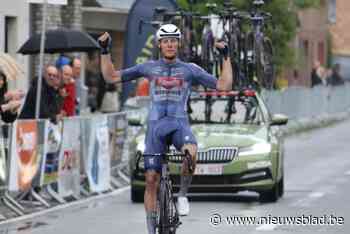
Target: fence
[299,103]
[77,157]
[82,156]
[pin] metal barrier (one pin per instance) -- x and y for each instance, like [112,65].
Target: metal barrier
[298,103]
[48,164]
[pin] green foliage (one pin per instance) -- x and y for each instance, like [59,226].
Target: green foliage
[307,3]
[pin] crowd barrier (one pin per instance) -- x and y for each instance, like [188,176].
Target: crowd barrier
[42,164]
[47,164]
[300,103]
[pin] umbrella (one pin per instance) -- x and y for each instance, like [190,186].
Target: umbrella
[60,41]
[10,67]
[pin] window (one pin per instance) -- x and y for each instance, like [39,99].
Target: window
[10,35]
[332,11]
[305,48]
[321,53]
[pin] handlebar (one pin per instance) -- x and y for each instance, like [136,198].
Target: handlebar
[186,156]
[247,93]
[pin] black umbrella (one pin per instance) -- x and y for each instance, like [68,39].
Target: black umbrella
[60,41]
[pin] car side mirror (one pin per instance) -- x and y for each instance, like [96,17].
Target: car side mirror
[279,119]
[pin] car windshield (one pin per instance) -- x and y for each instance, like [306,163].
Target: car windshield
[238,109]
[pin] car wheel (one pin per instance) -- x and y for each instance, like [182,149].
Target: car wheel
[136,195]
[281,187]
[271,195]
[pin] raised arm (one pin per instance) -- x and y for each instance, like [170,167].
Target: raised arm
[108,71]
[225,82]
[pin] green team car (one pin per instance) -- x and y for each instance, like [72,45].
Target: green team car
[240,147]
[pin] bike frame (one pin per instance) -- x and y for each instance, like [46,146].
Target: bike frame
[165,183]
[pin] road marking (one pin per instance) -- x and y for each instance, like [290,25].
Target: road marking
[316,195]
[66,205]
[306,201]
[266,227]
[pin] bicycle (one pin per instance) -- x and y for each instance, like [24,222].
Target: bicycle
[168,219]
[259,47]
[231,33]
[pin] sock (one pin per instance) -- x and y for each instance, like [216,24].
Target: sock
[185,183]
[151,217]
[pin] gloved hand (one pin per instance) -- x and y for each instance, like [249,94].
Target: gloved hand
[222,48]
[105,42]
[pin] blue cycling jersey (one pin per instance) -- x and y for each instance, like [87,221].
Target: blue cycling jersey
[170,85]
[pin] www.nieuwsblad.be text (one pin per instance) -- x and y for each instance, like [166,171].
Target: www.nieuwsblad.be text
[302,220]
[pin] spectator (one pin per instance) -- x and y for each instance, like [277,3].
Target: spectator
[50,102]
[10,101]
[323,73]
[61,61]
[335,78]
[316,78]
[68,91]
[79,84]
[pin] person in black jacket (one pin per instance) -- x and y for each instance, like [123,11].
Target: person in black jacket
[51,99]
[335,78]
[9,100]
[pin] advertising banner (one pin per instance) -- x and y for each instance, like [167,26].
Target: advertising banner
[117,126]
[26,153]
[96,158]
[69,159]
[52,150]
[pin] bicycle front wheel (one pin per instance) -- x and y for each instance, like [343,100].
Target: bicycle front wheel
[168,217]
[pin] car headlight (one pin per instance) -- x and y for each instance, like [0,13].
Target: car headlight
[259,148]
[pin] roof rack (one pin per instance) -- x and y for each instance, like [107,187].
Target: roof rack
[247,93]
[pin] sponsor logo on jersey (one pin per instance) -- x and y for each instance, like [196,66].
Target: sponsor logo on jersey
[169,82]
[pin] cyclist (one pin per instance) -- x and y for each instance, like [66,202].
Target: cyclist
[170,84]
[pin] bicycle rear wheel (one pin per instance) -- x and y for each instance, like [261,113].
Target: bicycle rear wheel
[264,64]
[207,54]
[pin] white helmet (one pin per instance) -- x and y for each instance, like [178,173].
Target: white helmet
[168,30]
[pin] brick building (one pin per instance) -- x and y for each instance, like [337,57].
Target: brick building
[339,18]
[311,43]
[322,35]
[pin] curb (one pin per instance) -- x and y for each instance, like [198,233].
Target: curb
[66,205]
[307,124]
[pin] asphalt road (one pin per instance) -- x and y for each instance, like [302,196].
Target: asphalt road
[317,184]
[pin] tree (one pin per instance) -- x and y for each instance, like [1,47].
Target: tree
[283,26]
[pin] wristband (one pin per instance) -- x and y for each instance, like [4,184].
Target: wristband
[105,46]
[224,51]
